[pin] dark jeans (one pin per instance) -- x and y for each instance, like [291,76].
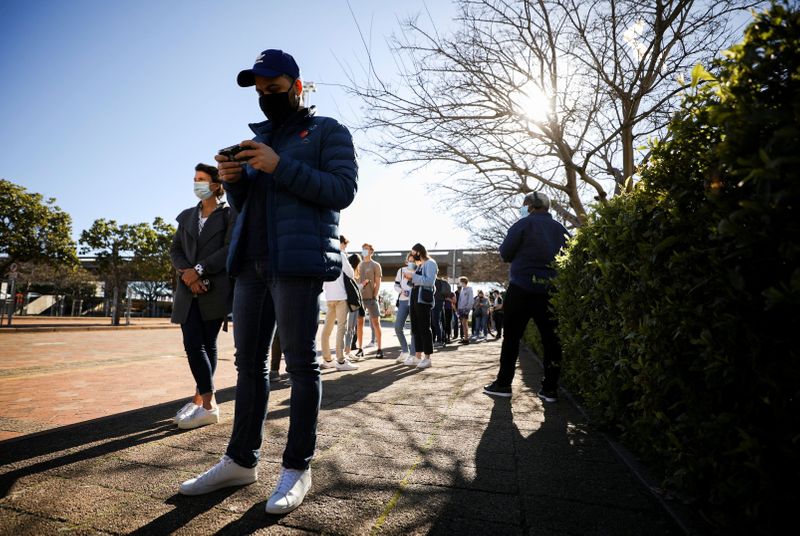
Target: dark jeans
[200,343]
[259,301]
[447,317]
[498,323]
[521,306]
[436,320]
[421,324]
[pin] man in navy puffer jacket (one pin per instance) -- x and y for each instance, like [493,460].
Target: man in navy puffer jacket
[288,185]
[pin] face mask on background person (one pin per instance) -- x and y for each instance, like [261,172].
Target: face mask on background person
[203,190]
[411,265]
[365,253]
[523,211]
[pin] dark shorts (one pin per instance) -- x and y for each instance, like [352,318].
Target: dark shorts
[463,313]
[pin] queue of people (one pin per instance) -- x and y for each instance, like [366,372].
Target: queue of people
[279,241]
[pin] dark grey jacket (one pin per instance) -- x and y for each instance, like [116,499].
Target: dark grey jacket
[210,249]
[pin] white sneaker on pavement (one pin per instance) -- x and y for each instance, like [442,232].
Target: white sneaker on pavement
[199,417]
[401,359]
[185,410]
[346,365]
[411,361]
[325,364]
[370,344]
[425,363]
[226,473]
[290,491]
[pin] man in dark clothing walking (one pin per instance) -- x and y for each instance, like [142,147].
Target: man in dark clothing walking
[531,246]
[288,184]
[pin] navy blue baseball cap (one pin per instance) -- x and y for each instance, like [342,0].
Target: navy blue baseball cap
[270,63]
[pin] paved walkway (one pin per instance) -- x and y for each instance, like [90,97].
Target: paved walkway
[400,451]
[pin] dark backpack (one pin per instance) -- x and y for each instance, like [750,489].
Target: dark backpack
[354,301]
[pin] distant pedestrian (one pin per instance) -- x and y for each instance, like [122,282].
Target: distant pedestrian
[202,295]
[498,314]
[336,298]
[465,302]
[370,278]
[442,290]
[403,286]
[531,246]
[481,312]
[447,315]
[421,303]
[355,319]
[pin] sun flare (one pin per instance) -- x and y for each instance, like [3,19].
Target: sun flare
[532,102]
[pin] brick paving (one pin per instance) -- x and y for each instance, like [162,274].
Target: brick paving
[400,451]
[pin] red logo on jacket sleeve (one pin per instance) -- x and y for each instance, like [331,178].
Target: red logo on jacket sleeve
[304,134]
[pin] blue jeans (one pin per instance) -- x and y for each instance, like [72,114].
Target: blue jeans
[200,343]
[481,325]
[350,334]
[436,321]
[403,311]
[259,301]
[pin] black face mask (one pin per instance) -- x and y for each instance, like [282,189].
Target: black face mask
[417,256]
[278,106]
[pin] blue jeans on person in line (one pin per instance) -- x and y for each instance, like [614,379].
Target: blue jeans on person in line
[200,344]
[403,311]
[260,300]
[481,326]
[352,326]
[436,322]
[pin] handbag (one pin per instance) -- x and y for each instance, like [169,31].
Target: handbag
[354,301]
[425,296]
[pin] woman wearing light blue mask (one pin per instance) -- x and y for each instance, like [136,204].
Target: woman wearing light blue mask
[201,299]
[403,288]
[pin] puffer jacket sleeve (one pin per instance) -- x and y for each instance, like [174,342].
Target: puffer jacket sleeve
[334,185]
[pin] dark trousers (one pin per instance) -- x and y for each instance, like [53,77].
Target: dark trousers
[421,324]
[447,317]
[498,323]
[259,301]
[436,322]
[200,343]
[520,307]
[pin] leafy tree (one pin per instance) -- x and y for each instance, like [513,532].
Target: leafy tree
[152,266]
[33,228]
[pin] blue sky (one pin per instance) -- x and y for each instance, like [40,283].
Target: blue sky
[107,106]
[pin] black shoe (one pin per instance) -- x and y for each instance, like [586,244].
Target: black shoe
[548,396]
[360,353]
[497,390]
[379,354]
[464,341]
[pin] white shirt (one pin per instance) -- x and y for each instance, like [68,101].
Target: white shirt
[405,285]
[334,290]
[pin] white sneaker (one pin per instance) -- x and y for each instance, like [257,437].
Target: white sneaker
[425,363]
[356,357]
[370,344]
[325,364]
[346,365]
[401,359]
[411,361]
[292,487]
[185,410]
[199,417]
[226,473]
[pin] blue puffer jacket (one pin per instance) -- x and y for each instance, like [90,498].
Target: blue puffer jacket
[316,178]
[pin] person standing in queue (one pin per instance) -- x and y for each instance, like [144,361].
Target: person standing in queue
[531,246]
[201,302]
[422,300]
[288,184]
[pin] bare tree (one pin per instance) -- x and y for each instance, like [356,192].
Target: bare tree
[527,95]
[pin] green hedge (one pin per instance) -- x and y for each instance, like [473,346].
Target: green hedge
[678,303]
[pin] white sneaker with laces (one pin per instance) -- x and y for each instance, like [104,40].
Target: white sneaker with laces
[425,363]
[370,344]
[325,364]
[199,417]
[290,491]
[412,361]
[224,474]
[185,410]
[346,365]
[401,359]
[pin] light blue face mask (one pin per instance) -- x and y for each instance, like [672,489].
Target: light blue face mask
[523,211]
[411,265]
[203,190]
